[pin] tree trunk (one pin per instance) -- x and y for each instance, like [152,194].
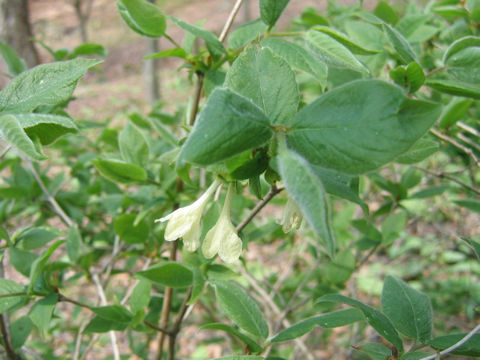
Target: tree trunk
[15,29]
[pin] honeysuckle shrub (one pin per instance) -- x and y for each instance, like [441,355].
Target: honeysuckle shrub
[324,121]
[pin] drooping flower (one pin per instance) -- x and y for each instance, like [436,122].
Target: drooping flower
[185,222]
[223,238]
[292,216]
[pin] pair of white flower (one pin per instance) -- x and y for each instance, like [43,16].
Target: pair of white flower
[186,223]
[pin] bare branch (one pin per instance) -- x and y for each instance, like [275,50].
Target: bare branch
[455,143]
[273,191]
[56,207]
[230,19]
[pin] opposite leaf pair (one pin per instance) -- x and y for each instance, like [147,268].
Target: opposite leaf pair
[222,238]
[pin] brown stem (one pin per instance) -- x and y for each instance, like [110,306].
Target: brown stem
[196,100]
[178,324]
[11,354]
[230,19]
[5,328]
[271,194]
[167,304]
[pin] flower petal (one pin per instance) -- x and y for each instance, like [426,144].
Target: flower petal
[231,247]
[191,239]
[211,243]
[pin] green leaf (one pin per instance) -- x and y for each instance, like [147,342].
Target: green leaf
[385,12]
[240,357]
[354,47]
[268,81]
[175,52]
[474,245]
[224,128]
[374,318]
[453,87]
[409,310]
[360,126]
[298,57]
[47,128]
[470,204]
[252,345]
[101,325]
[14,63]
[375,351]
[115,313]
[21,260]
[214,46]
[140,296]
[454,111]
[332,52]
[417,355]
[421,150]
[143,17]
[171,274]
[240,308]
[307,190]
[246,33]
[74,243]
[20,329]
[470,348]
[400,45]
[40,262]
[44,85]
[88,49]
[10,287]
[198,283]
[34,238]
[462,59]
[42,311]
[339,185]
[329,320]
[119,171]
[365,34]
[133,145]
[430,192]
[460,45]
[270,10]
[13,133]
[130,232]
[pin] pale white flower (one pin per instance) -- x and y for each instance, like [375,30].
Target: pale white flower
[223,238]
[292,216]
[185,222]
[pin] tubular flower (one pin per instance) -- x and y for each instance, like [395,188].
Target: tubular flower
[185,222]
[223,238]
[292,216]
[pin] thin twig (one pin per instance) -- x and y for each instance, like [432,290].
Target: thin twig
[177,325]
[468,129]
[443,175]
[167,304]
[468,141]
[273,191]
[454,346]
[103,301]
[5,327]
[56,207]
[455,143]
[230,19]
[196,100]
[271,304]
